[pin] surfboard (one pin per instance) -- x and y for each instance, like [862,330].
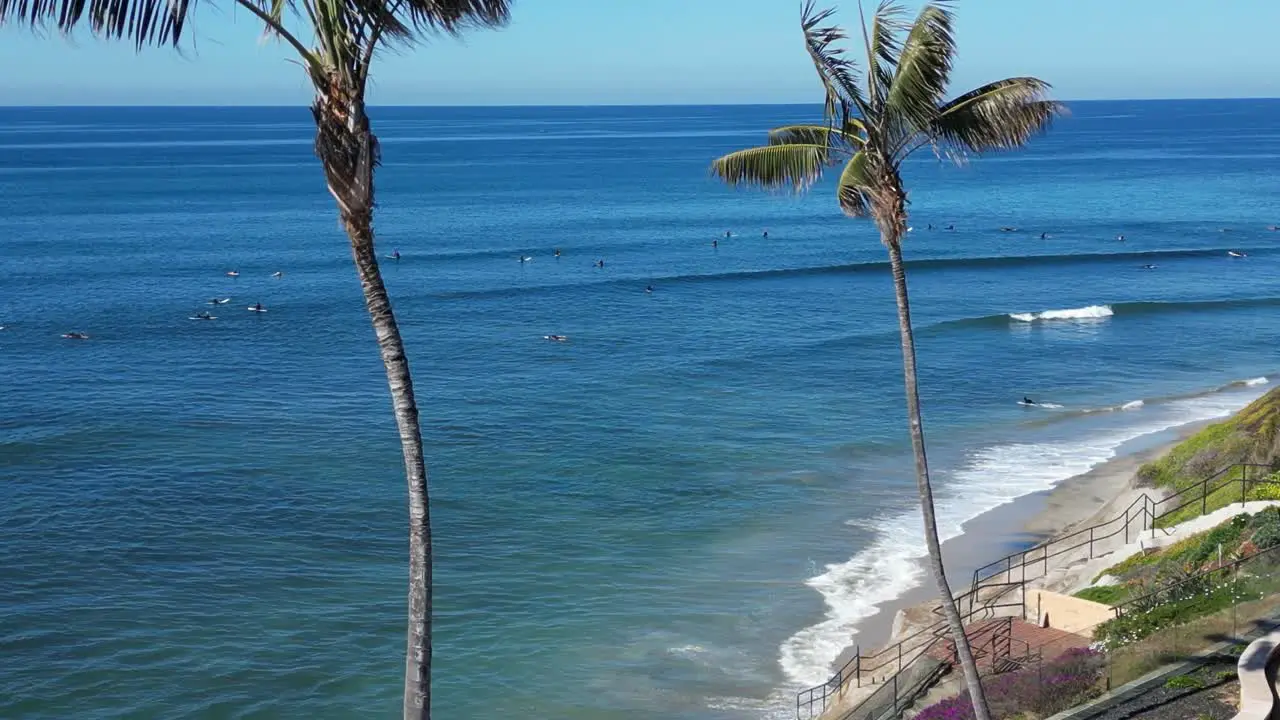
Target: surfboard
[197,317]
[254,309]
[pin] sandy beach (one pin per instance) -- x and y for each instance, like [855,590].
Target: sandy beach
[1099,494]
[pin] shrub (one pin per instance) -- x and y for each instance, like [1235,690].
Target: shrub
[1265,516]
[1163,612]
[1184,682]
[1267,491]
[1267,536]
[1064,682]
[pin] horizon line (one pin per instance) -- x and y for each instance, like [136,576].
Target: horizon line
[8,106]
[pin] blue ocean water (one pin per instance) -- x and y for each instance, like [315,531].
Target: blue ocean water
[681,512]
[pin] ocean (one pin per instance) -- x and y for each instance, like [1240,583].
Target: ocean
[682,512]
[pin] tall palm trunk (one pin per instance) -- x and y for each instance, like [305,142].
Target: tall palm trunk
[349,152]
[892,239]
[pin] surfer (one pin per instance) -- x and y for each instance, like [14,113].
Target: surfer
[257,307]
[951,228]
[523,259]
[766,234]
[233,273]
[75,336]
[1044,236]
[1233,253]
[715,243]
[395,255]
[649,289]
[1027,401]
[600,263]
[1008,228]
[277,274]
[728,234]
[1120,238]
[557,252]
[930,226]
[202,316]
[556,338]
[1148,267]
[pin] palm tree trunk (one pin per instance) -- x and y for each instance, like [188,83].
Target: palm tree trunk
[349,152]
[949,609]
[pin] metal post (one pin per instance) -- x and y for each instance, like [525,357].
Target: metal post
[857,665]
[1126,526]
[1244,484]
[1091,543]
[1204,497]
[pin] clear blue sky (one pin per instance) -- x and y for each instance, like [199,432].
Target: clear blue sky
[674,51]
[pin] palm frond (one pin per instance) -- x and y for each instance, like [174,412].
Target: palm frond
[794,167]
[924,68]
[883,45]
[831,137]
[854,190]
[997,116]
[145,22]
[452,16]
[839,75]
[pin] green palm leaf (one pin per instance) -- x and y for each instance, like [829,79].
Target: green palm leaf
[837,72]
[997,116]
[883,48]
[924,68]
[854,190]
[146,22]
[817,135]
[793,166]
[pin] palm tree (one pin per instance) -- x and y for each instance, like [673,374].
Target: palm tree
[346,36]
[872,124]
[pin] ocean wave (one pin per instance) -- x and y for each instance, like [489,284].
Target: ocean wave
[1092,312]
[1123,309]
[925,264]
[890,566]
[1254,381]
[1132,405]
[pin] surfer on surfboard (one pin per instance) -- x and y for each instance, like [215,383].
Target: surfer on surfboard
[1233,253]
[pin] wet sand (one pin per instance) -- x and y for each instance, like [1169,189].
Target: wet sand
[1080,501]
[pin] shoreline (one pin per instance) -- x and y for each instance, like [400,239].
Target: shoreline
[1099,493]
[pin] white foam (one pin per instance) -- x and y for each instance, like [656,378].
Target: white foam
[854,590]
[1091,312]
[1050,406]
[1255,381]
[1132,405]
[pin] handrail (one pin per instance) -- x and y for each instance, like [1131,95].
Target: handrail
[1120,608]
[860,669]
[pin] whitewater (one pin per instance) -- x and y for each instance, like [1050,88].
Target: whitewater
[858,588]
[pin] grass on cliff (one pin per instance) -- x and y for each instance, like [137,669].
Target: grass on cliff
[1249,436]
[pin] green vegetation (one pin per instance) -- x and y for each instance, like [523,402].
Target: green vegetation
[1107,594]
[1247,437]
[1190,579]
[1183,682]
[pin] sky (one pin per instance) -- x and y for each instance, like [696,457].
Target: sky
[605,52]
